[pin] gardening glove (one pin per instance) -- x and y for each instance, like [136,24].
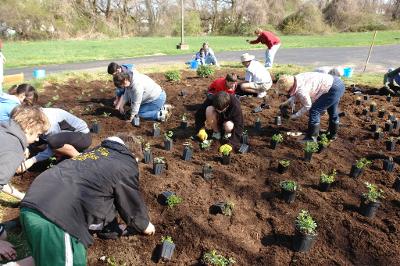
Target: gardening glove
[150,230]
[202,135]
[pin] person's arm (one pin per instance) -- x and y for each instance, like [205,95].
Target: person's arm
[10,190]
[136,101]
[258,40]
[248,76]
[11,160]
[237,120]
[7,250]
[305,101]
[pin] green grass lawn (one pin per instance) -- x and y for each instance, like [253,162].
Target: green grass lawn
[30,53]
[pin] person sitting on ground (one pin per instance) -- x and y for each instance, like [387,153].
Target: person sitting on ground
[316,92]
[227,84]
[271,41]
[222,115]
[392,79]
[81,194]
[334,71]
[257,80]
[24,127]
[200,57]
[21,94]
[68,135]
[145,96]
[112,69]
[210,58]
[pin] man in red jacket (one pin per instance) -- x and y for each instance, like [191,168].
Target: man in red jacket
[271,41]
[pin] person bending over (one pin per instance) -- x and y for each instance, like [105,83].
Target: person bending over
[112,69]
[227,84]
[22,94]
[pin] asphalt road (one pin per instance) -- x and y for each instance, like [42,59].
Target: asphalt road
[382,57]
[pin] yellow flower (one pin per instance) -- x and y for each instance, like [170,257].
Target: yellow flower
[225,149]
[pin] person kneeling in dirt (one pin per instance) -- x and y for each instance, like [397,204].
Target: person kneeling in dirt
[112,69]
[391,80]
[81,194]
[146,97]
[68,136]
[316,92]
[257,80]
[227,84]
[223,115]
[24,94]
[24,127]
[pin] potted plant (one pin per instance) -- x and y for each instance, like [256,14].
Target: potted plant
[358,100]
[225,208]
[168,141]
[389,98]
[167,248]
[278,120]
[326,180]
[283,165]
[275,140]
[257,124]
[163,197]
[95,127]
[158,165]
[389,126]
[364,111]
[173,200]
[288,190]
[305,232]
[184,122]
[156,130]
[396,184]
[370,200]
[206,144]
[310,148]
[358,167]
[136,121]
[244,148]
[207,172]
[225,150]
[212,258]
[381,113]
[372,107]
[187,151]
[390,144]
[323,142]
[366,97]
[374,126]
[148,156]
[245,137]
[388,164]
[391,117]
[378,134]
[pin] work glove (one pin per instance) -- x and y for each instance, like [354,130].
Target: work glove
[202,135]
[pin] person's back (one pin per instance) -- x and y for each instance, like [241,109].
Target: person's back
[257,73]
[313,84]
[61,120]
[144,87]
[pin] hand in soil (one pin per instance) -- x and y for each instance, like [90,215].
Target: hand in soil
[7,250]
[150,230]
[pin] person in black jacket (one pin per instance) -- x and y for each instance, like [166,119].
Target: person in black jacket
[81,194]
[223,115]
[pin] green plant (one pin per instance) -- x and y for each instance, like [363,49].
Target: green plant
[111,261]
[105,114]
[156,125]
[373,103]
[52,162]
[373,194]
[159,160]
[205,71]
[288,185]
[48,104]
[168,135]
[55,98]
[173,75]
[323,141]
[278,138]
[228,208]
[173,200]
[225,149]
[328,178]
[363,162]
[305,223]
[258,119]
[147,147]
[206,144]
[167,239]
[311,147]
[284,163]
[212,258]
[184,117]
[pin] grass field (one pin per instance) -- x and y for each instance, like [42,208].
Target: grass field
[21,53]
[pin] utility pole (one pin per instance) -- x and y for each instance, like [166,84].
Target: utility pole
[182,45]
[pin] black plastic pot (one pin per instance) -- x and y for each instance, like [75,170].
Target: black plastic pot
[245,139]
[278,120]
[187,153]
[355,172]
[184,124]
[95,128]
[390,145]
[365,112]
[217,208]
[148,156]
[381,114]
[389,127]
[358,102]
[244,148]
[396,184]
[166,250]
[158,168]
[303,242]
[391,117]
[226,159]
[136,121]
[396,124]
[282,169]
[324,186]
[257,125]
[372,108]
[366,97]
[273,144]
[156,132]
[207,172]
[288,196]
[374,127]
[163,197]
[307,156]
[369,209]
[320,148]
[388,165]
[389,98]
[168,143]
[378,135]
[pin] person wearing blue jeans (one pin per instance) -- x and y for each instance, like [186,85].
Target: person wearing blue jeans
[316,92]
[152,109]
[210,58]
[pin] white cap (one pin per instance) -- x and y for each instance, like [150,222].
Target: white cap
[116,139]
[246,57]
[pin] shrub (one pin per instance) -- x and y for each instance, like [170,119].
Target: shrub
[173,200]
[212,258]
[173,75]
[305,223]
[328,178]
[205,71]
[373,194]
[289,185]
[363,162]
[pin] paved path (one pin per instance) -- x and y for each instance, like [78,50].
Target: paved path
[382,57]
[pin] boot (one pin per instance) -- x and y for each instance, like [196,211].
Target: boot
[312,134]
[332,130]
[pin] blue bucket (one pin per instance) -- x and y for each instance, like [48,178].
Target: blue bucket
[129,66]
[347,72]
[39,73]
[194,64]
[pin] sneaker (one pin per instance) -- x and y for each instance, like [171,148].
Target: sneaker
[262,94]
[162,115]
[216,135]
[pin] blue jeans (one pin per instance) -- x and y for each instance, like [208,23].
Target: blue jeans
[151,110]
[211,60]
[328,101]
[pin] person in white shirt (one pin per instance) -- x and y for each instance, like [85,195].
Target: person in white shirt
[2,62]
[210,58]
[316,92]
[257,80]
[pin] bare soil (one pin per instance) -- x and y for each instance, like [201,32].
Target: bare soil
[261,229]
